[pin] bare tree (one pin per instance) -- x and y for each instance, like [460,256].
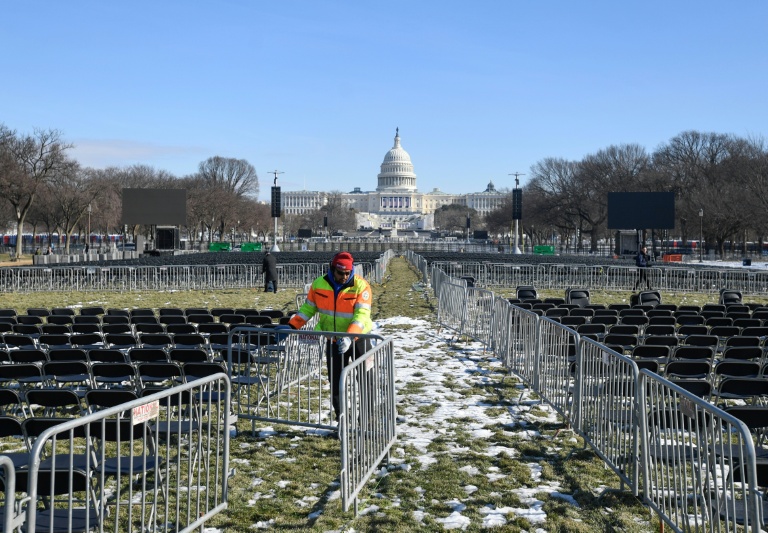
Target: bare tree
[28,162]
[453,218]
[70,195]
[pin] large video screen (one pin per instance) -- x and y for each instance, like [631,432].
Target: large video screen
[162,207]
[641,210]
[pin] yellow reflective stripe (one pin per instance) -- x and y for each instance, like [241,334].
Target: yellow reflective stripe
[362,306]
[302,316]
[337,314]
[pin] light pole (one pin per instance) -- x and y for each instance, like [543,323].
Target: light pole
[88,241]
[517,207]
[701,235]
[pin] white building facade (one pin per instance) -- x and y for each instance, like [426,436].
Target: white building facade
[396,202]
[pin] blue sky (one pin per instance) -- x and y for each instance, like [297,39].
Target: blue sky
[315,89]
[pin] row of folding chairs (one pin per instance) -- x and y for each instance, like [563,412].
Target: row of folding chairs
[122,340]
[57,389]
[100,312]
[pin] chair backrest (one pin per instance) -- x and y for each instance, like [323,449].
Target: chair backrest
[684,331]
[576,296]
[170,311]
[91,311]
[701,340]
[67,354]
[60,319]
[743,353]
[149,327]
[573,321]
[188,355]
[685,319]
[649,351]
[652,298]
[105,355]
[143,355]
[524,292]
[96,399]
[659,330]
[624,329]
[730,296]
[86,327]
[694,352]
[662,340]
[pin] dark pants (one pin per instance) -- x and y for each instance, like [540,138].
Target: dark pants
[270,285]
[642,278]
[335,362]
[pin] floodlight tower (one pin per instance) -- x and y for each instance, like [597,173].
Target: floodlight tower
[517,208]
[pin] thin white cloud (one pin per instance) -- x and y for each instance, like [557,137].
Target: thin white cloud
[101,153]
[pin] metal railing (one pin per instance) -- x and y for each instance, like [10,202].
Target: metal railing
[608,277]
[158,463]
[693,463]
[171,277]
[367,420]
[284,376]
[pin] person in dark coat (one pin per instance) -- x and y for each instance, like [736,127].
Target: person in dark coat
[269,268]
[641,260]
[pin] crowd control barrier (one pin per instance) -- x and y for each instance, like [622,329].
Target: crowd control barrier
[172,277]
[699,466]
[157,463]
[693,463]
[367,421]
[284,376]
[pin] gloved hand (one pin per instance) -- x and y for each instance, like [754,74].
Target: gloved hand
[281,337]
[344,343]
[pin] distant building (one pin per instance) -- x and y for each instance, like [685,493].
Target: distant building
[396,202]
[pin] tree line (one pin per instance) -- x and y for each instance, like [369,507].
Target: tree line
[44,190]
[722,177]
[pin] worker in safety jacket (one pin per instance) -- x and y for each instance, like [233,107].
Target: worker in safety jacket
[343,300]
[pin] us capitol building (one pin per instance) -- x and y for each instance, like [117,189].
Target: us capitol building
[396,203]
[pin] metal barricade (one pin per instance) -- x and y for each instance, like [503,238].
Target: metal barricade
[605,411]
[512,275]
[709,280]
[680,279]
[522,334]
[621,278]
[479,315]
[11,516]
[458,269]
[759,283]
[159,463]
[367,422]
[556,365]
[452,305]
[281,376]
[698,461]
[736,279]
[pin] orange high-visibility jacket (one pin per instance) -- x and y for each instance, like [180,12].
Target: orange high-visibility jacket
[349,310]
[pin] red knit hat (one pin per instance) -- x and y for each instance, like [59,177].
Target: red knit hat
[342,260]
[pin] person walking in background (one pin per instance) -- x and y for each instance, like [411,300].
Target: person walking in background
[269,269]
[641,260]
[343,300]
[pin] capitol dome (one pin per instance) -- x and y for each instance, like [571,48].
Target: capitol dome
[397,170]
